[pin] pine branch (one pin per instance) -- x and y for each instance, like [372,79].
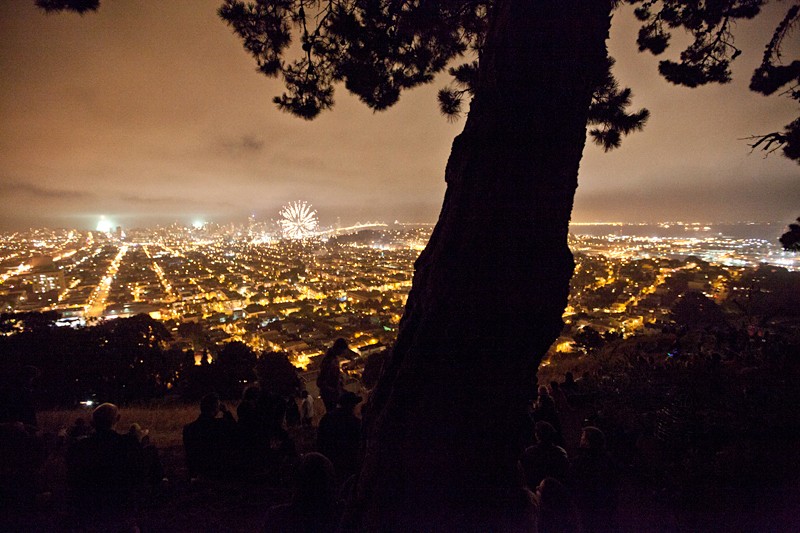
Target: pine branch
[78,6]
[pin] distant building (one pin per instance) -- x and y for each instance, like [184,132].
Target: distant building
[43,284]
[372,348]
[44,276]
[76,311]
[295,346]
[129,309]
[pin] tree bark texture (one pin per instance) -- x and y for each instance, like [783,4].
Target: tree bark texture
[442,428]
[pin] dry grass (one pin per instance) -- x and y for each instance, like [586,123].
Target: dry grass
[179,505]
[165,422]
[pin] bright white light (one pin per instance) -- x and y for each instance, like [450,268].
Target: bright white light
[198,224]
[299,220]
[105,225]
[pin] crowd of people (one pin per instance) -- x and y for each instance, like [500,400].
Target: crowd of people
[573,491]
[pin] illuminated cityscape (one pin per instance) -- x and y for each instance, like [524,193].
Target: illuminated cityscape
[247,283]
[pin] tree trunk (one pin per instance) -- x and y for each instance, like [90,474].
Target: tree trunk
[442,428]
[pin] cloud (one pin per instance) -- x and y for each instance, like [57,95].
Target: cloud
[170,200]
[18,188]
[766,199]
[246,144]
[149,200]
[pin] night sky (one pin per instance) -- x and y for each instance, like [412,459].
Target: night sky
[151,112]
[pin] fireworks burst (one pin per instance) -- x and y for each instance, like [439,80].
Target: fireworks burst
[299,220]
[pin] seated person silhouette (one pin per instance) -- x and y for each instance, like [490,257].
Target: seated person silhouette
[210,441]
[339,436]
[545,458]
[105,466]
[314,505]
[595,478]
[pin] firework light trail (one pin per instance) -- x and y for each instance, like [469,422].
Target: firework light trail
[299,220]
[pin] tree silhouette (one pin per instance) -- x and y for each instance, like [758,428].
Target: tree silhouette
[132,364]
[490,288]
[79,6]
[32,321]
[233,369]
[378,48]
[277,375]
[196,334]
[589,338]
[695,310]
[119,360]
[791,239]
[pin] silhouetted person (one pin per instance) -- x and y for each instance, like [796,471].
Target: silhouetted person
[273,410]
[559,398]
[268,438]
[252,425]
[78,430]
[104,467]
[557,510]
[314,506]
[569,418]
[330,381]
[22,447]
[210,441]
[339,435]
[307,408]
[545,458]
[292,412]
[569,386]
[545,411]
[247,411]
[595,481]
[22,453]
[16,398]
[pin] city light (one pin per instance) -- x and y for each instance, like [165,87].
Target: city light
[289,295]
[105,225]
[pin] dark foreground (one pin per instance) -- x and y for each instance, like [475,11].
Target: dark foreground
[183,505]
